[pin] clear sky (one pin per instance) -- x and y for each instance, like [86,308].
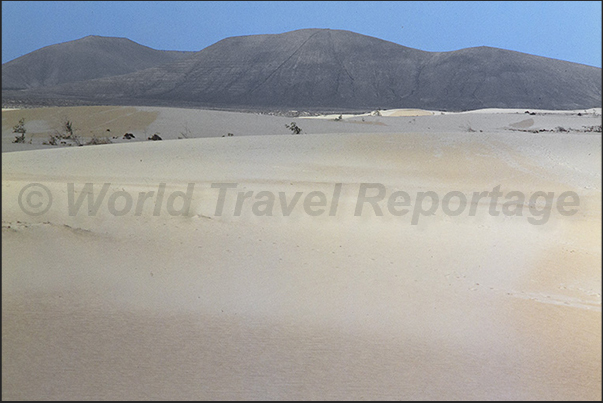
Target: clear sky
[566,30]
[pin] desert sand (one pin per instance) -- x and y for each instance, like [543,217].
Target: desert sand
[146,303]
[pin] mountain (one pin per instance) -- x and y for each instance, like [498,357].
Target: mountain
[83,59]
[335,69]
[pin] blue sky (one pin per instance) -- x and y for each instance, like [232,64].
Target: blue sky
[562,30]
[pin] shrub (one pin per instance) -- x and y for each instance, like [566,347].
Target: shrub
[67,133]
[94,140]
[294,128]
[20,128]
[68,126]
[467,127]
[186,133]
[596,129]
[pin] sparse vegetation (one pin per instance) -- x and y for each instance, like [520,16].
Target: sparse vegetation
[467,127]
[70,133]
[561,129]
[186,133]
[95,140]
[294,128]
[68,126]
[20,128]
[52,141]
[595,129]
[65,137]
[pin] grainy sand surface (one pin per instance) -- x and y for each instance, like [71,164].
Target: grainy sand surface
[342,306]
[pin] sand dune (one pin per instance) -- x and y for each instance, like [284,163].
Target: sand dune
[112,122]
[154,304]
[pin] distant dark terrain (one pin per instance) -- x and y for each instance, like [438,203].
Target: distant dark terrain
[84,59]
[309,69]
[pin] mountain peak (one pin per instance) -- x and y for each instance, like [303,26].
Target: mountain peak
[87,58]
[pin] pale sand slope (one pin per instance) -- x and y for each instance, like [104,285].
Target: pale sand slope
[302,307]
[112,122]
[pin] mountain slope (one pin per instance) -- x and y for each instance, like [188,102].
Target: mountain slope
[322,68]
[83,59]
